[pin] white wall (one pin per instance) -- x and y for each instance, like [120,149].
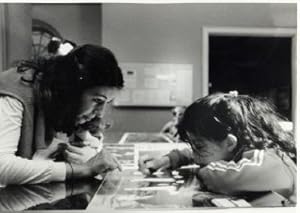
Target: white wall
[2,37]
[172,34]
[151,33]
[80,23]
[18,32]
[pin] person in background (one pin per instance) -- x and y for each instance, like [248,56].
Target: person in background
[239,145]
[170,128]
[41,100]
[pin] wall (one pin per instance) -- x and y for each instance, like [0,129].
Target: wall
[172,34]
[18,33]
[2,37]
[80,23]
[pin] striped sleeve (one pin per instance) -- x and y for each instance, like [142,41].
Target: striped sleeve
[256,171]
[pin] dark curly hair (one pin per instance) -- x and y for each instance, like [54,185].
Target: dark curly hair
[60,81]
[253,121]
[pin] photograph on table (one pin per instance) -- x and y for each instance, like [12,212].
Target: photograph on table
[127,154]
[144,137]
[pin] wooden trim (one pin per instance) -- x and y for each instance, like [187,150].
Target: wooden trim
[3,41]
[294,85]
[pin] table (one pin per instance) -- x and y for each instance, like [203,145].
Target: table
[126,190]
[170,190]
[129,189]
[50,196]
[178,189]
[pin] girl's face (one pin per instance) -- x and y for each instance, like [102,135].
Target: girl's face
[93,102]
[206,151]
[177,113]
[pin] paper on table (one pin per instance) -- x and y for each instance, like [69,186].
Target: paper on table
[222,202]
[190,166]
[154,180]
[152,188]
[133,197]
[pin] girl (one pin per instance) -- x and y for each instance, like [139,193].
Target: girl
[170,128]
[239,145]
[40,99]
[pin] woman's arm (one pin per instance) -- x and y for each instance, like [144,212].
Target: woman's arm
[17,170]
[19,198]
[14,169]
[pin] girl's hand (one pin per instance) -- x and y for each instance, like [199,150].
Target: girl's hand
[103,162]
[79,155]
[148,164]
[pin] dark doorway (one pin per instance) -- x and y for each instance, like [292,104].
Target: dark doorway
[260,66]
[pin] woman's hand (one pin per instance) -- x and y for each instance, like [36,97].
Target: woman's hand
[148,164]
[79,155]
[81,151]
[87,139]
[103,162]
[55,148]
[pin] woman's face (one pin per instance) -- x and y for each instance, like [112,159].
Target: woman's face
[93,102]
[206,151]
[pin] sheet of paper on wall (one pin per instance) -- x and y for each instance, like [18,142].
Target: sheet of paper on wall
[151,83]
[151,69]
[130,76]
[146,96]
[139,96]
[124,95]
[156,84]
[130,83]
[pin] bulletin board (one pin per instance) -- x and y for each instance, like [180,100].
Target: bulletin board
[152,84]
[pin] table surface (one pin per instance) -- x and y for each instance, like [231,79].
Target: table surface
[128,189]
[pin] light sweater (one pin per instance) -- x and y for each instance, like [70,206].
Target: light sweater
[15,169]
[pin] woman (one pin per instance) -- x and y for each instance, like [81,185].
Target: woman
[40,99]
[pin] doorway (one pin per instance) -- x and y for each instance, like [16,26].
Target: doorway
[256,61]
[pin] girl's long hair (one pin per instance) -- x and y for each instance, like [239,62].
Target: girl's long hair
[60,81]
[253,121]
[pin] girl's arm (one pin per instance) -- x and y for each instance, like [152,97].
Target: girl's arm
[258,170]
[180,158]
[173,160]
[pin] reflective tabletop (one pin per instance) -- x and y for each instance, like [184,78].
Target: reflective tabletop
[130,189]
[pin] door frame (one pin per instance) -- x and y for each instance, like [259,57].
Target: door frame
[3,41]
[250,31]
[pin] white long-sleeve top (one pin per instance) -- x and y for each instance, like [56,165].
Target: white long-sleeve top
[20,198]
[14,169]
